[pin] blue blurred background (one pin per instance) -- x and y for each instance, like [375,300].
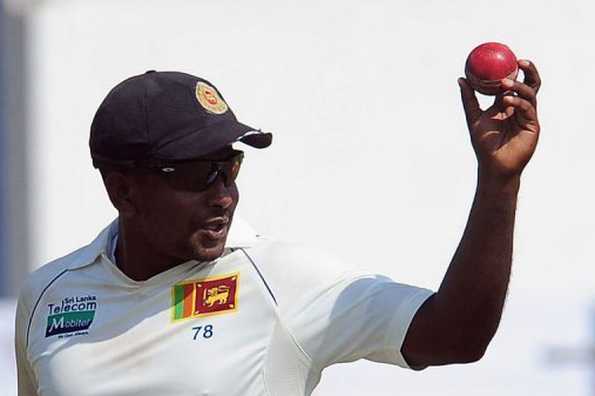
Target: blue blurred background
[4,260]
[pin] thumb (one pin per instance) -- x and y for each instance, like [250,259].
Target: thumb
[470,103]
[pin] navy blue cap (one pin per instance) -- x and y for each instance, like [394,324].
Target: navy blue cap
[165,116]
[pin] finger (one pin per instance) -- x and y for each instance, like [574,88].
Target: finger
[470,103]
[526,109]
[532,78]
[523,90]
[498,106]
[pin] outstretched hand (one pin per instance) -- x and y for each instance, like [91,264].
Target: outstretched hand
[505,135]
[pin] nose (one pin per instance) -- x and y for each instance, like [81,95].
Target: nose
[220,194]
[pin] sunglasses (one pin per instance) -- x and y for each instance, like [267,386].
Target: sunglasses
[198,175]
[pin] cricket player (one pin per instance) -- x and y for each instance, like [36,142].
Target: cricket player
[174,297]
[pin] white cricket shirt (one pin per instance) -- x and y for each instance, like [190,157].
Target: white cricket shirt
[263,319]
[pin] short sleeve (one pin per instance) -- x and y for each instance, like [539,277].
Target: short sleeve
[358,317]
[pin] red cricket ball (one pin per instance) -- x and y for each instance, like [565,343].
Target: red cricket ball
[489,63]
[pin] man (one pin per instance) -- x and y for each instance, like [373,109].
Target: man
[164,301]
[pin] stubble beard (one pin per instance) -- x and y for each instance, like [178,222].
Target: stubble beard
[206,250]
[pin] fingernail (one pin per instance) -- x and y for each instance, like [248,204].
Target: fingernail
[460,82]
[524,62]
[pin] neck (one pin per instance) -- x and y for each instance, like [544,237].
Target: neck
[138,259]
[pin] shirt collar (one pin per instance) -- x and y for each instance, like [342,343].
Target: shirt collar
[241,235]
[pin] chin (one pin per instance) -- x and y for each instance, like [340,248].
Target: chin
[202,248]
[210,253]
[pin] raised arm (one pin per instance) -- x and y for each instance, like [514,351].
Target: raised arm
[458,322]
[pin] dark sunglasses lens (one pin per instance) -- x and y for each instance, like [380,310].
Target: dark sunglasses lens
[193,177]
[199,176]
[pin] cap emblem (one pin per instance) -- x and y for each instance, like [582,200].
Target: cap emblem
[209,98]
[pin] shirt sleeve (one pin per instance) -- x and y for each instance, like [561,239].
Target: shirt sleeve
[357,317]
[25,377]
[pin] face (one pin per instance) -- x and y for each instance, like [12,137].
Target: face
[179,222]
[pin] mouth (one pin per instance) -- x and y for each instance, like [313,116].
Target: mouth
[216,228]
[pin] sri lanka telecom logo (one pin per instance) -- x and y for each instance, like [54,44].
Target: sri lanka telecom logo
[73,316]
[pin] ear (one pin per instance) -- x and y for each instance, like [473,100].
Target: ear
[121,190]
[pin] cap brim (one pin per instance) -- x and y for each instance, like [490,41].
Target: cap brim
[213,138]
[257,139]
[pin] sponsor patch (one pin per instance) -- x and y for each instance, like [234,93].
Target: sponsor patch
[209,98]
[202,297]
[72,316]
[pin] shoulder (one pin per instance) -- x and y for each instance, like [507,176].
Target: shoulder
[43,277]
[298,260]
[40,279]
[292,269]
